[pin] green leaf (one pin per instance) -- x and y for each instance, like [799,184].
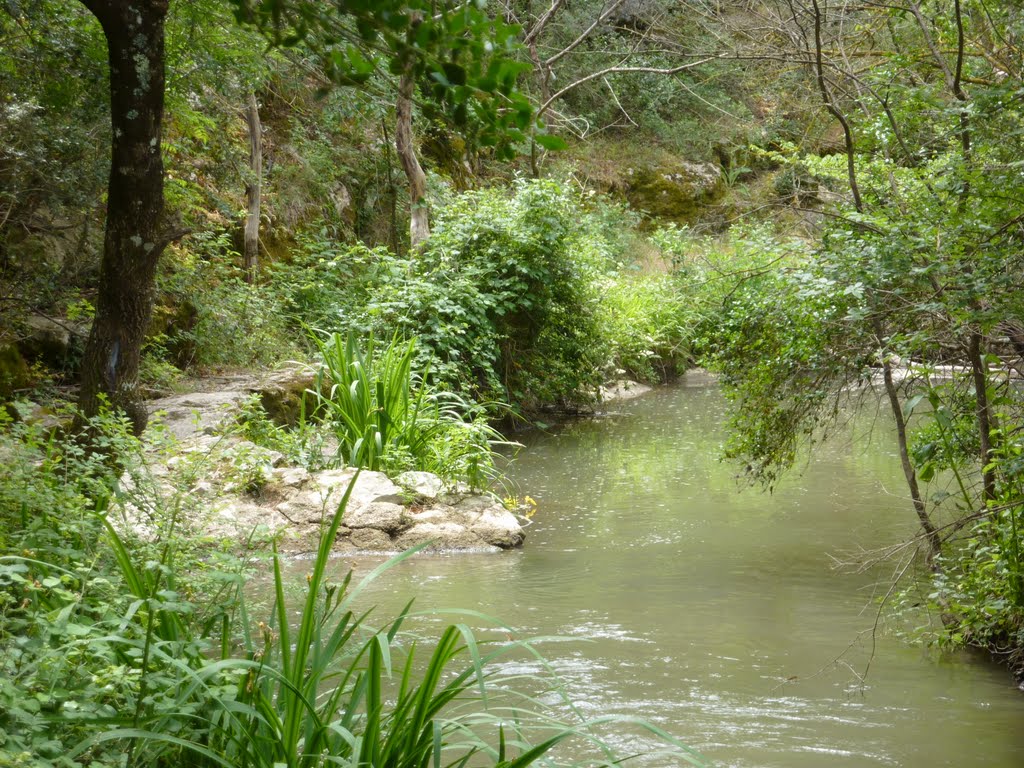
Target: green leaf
[554,143]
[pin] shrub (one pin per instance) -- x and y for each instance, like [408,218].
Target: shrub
[504,296]
[648,321]
[211,317]
[325,284]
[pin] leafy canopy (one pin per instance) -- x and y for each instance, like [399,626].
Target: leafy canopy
[467,58]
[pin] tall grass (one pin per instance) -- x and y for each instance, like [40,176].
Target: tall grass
[326,689]
[386,416]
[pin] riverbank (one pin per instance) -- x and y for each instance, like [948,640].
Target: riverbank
[229,488]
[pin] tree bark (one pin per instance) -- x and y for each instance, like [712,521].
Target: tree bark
[251,238]
[931,533]
[135,236]
[419,213]
[830,105]
[979,374]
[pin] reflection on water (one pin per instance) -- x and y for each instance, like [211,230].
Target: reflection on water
[715,613]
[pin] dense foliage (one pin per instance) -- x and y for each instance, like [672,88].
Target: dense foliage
[858,238]
[913,286]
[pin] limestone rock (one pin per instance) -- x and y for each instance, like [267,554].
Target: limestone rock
[304,508]
[443,536]
[185,415]
[498,527]
[289,477]
[675,192]
[426,485]
[286,393]
[371,486]
[381,515]
[372,540]
[57,343]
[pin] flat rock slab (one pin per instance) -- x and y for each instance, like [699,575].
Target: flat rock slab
[236,487]
[217,397]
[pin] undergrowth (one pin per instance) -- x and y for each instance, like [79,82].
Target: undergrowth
[125,645]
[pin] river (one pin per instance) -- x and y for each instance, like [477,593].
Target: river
[715,612]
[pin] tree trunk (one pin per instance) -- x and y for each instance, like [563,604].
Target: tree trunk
[833,109]
[251,246]
[419,213]
[979,374]
[543,74]
[928,528]
[135,237]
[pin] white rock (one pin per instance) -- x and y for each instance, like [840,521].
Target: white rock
[382,515]
[289,477]
[371,486]
[425,485]
[304,508]
[497,526]
[623,389]
[371,539]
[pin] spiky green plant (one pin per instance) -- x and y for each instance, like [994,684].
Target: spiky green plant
[386,416]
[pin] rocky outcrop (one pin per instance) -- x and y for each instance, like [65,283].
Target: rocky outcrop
[380,516]
[282,394]
[228,489]
[232,487]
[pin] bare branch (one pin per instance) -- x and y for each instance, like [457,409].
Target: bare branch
[616,70]
[584,34]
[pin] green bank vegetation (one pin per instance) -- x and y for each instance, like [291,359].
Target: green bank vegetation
[819,202]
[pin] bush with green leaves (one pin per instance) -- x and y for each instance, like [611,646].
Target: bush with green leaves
[324,283]
[979,589]
[210,316]
[75,646]
[648,320]
[504,295]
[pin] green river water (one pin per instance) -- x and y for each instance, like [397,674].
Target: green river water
[716,612]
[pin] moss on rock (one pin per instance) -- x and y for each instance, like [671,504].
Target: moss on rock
[14,372]
[674,192]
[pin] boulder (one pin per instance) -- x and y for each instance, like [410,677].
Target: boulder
[286,394]
[304,508]
[443,536]
[381,515]
[57,344]
[676,191]
[289,477]
[371,486]
[426,485]
[498,527]
[372,540]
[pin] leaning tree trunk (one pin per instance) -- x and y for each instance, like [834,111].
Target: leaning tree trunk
[135,237]
[251,244]
[419,213]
